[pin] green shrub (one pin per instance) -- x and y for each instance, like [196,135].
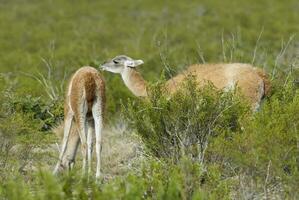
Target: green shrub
[185,124]
[258,150]
[266,150]
[46,113]
[23,122]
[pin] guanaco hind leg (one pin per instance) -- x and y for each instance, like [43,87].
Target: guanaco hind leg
[98,121]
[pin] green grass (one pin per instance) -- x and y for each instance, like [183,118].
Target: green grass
[43,42]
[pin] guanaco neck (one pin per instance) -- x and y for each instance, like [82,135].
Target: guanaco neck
[134,81]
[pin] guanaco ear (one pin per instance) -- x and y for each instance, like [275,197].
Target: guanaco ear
[133,63]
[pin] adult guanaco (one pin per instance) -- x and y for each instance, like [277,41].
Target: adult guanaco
[252,81]
[83,116]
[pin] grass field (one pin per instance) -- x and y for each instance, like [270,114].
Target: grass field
[43,42]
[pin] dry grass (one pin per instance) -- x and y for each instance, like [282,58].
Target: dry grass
[122,151]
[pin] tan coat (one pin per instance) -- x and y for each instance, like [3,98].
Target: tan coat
[252,81]
[83,114]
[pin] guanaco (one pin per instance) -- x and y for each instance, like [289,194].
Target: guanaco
[83,116]
[252,81]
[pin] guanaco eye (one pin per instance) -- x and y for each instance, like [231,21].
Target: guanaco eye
[115,62]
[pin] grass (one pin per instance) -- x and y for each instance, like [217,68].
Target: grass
[43,42]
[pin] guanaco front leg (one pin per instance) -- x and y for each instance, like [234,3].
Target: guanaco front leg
[82,128]
[67,129]
[89,143]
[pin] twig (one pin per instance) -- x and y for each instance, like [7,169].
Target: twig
[58,148]
[256,45]
[223,47]
[281,53]
[200,52]
[233,47]
[267,178]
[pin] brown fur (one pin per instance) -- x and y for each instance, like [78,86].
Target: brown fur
[265,77]
[89,79]
[253,82]
[86,84]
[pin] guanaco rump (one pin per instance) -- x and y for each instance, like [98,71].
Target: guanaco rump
[83,116]
[252,81]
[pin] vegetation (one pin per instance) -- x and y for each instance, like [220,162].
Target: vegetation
[217,130]
[200,144]
[183,125]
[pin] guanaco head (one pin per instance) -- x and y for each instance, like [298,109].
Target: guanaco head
[119,63]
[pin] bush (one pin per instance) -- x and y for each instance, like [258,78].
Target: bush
[43,112]
[23,122]
[185,124]
[214,128]
[266,150]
